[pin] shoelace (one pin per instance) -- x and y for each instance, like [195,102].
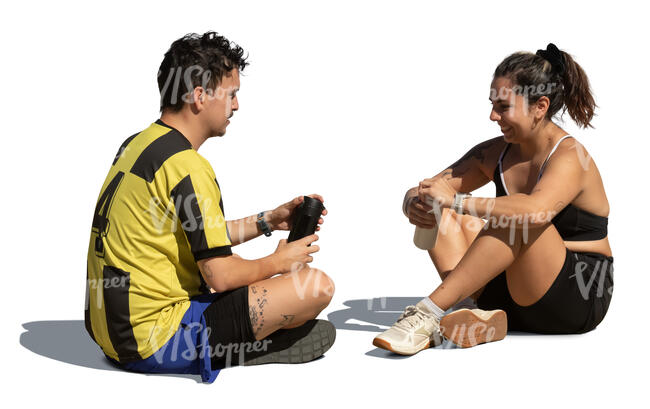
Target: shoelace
[409,318]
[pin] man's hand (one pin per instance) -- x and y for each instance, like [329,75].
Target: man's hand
[298,252]
[281,217]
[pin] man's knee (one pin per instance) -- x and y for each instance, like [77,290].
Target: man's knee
[314,286]
[325,287]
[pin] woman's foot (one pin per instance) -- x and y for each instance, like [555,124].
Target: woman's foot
[467,328]
[416,329]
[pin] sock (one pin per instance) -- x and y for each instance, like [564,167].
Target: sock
[431,308]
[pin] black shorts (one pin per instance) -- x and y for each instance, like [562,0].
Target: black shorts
[231,332]
[576,302]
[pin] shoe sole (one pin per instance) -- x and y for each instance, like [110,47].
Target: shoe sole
[308,342]
[383,344]
[466,329]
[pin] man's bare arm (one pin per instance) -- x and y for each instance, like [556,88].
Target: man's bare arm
[242,230]
[223,273]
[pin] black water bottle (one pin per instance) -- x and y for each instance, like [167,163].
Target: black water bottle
[305,218]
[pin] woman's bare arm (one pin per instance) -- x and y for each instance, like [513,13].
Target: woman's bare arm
[470,172]
[467,174]
[560,184]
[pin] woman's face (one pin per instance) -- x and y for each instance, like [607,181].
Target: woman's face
[510,111]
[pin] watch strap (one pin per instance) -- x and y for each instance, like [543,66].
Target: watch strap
[457,206]
[264,227]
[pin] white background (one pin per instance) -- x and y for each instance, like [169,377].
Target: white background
[357,101]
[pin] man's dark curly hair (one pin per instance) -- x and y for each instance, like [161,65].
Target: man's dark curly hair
[196,60]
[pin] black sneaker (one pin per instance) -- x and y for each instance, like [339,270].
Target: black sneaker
[295,345]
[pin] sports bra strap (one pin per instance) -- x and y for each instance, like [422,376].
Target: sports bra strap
[500,167]
[503,152]
[541,170]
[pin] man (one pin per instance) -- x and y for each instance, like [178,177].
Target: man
[165,292]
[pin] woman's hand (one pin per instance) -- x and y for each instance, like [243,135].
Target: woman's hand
[281,217]
[437,190]
[418,215]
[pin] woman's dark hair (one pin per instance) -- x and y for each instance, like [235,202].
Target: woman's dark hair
[565,84]
[196,60]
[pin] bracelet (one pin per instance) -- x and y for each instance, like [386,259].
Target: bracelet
[264,227]
[457,206]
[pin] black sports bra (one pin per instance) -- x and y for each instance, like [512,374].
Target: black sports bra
[573,223]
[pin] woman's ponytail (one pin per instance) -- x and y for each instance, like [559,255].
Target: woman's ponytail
[578,100]
[542,73]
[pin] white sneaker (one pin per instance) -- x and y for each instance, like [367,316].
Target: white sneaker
[416,329]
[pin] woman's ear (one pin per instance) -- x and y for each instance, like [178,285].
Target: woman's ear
[541,107]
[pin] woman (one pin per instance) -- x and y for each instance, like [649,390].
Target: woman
[541,257]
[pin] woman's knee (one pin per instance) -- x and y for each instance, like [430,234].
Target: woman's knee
[471,226]
[510,235]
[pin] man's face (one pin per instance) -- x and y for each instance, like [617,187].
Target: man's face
[221,105]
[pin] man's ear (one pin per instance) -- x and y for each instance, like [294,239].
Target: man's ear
[198,98]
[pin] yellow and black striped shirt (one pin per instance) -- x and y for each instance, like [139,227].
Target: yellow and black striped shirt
[159,211]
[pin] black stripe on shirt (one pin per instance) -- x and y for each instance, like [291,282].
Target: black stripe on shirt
[220,199]
[153,156]
[123,147]
[88,324]
[213,252]
[116,285]
[191,219]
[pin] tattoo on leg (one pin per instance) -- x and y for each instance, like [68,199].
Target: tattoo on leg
[258,313]
[287,319]
[253,314]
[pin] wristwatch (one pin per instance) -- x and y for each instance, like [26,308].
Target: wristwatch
[457,206]
[264,227]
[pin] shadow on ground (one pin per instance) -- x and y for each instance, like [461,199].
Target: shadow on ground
[372,314]
[377,315]
[68,341]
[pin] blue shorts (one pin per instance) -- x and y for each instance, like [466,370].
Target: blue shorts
[189,349]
